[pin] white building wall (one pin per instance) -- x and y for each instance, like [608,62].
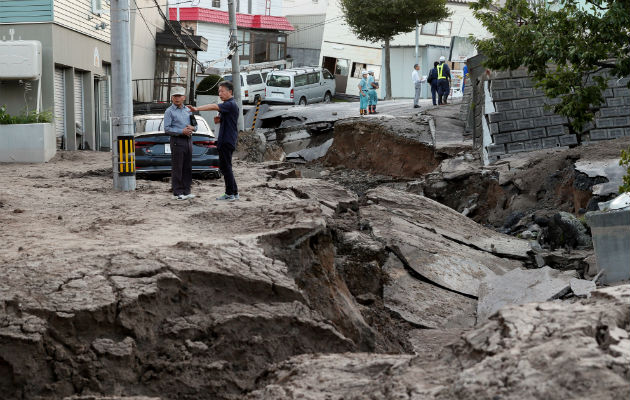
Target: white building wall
[304,7]
[463,24]
[218,36]
[73,14]
[143,56]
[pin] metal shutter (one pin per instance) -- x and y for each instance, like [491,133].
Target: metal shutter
[60,106]
[78,103]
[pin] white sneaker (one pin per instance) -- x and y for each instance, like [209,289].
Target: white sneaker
[190,196]
[180,197]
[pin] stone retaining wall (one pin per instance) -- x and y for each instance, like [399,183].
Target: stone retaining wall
[510,115]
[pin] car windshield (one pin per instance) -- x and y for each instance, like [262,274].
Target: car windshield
[229,79]
[157,125]
[283,81]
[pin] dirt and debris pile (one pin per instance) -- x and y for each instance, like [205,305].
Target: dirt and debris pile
[400,147]
[540,351]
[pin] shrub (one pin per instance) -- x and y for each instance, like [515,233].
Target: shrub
[31,117]
[625,162]
[209,86]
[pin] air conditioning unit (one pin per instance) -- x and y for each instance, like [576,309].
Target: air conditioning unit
[20,59]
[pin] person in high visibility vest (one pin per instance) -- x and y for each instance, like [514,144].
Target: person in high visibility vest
[444,80]
[363,93]
[372,97]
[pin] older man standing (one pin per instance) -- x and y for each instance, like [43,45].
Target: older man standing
[177,124]
[417,84]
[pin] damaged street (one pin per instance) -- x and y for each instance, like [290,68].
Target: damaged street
[391,263]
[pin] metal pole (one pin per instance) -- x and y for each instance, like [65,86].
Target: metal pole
[417,58]
[122,107]
[236,68]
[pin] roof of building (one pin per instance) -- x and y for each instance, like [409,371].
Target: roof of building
[222,17]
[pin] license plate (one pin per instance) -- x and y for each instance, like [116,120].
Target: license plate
[167,148]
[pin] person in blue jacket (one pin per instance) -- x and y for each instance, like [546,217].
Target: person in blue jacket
[465,71]
[363,93]
[372,96]
[433,80]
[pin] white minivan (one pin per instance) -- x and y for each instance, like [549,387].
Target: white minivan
[300,86]
[252,86]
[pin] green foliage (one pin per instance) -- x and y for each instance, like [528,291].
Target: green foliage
[625,162]
[30,117]
[571,47]
[209,86]
[380,20]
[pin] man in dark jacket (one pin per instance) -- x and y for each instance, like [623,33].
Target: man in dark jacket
[228,135]
[177,126]
[433,79]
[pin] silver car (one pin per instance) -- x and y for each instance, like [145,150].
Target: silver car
[300,86]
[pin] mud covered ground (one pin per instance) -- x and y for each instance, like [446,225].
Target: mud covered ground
[303,289]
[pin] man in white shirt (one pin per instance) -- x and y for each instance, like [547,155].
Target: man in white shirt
[417,84]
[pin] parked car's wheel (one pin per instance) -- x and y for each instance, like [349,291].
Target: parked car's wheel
[303,101]
[327,97]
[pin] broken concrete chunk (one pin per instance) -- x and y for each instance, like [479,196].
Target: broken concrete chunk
[311,153]
[582,287]
[520,287]
[423,304]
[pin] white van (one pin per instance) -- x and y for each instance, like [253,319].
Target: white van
[252,86]
[300,86]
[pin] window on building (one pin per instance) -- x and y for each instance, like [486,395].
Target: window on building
[342,67]
[357,68]
[216,3]
[437,29]
[376,69]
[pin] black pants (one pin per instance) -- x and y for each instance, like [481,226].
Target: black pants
[225,165]
[443,90]
[181,164]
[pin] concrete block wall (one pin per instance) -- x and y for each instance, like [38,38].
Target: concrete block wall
[613,118]
[521,120]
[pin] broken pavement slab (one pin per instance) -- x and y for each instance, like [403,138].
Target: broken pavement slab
[447,222]
[438,243]
[423,304]
[520,287]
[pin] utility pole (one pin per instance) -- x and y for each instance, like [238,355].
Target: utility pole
[236,67]
[417,56]
[123,150]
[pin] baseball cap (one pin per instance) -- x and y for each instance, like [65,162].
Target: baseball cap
[178,91]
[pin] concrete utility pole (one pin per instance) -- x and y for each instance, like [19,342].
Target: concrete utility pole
[123,150]
[417,56]
[236,67]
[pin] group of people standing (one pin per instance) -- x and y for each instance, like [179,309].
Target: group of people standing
[440,80]
[367,93]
